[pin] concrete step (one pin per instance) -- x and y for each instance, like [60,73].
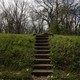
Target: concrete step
[41,38]
[42,47]
[41,44]
[42,66]
[41,41]
[42,51]
[43,56]
[42,72]
[42,61]
[41,35]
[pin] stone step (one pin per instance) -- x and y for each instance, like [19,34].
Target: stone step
[41,44]
[43,56]
[41,35]
[42,61]
[41,38]
[41,41]
[42,66]
[42,51]
[42,72]
[42,47]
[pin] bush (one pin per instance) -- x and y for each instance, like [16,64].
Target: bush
[65,53]
[54,28]
[16,52]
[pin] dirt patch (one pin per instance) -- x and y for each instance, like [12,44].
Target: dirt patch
[40,78]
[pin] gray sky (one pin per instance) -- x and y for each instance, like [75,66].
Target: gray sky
[31,1]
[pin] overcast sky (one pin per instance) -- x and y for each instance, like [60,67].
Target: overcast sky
[30,1]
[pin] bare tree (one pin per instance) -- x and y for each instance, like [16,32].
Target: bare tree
[61,15]
[47,13]
[63,12]
[37,22]
[16,16]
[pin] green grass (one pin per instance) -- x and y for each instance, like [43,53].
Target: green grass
[65,57]
[16,55]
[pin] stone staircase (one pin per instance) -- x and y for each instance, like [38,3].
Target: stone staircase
[42,66]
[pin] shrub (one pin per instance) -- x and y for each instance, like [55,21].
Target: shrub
[65,53]
[54,28]
[16,52]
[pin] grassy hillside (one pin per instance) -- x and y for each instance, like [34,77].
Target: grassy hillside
[65,57]
[16,56]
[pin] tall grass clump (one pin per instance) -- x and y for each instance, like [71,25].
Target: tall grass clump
[65,57]
[16,56]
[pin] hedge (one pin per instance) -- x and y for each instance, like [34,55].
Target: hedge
[16,55]
[65,56]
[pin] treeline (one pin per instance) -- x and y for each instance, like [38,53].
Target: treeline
[17,17]
[61,17]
